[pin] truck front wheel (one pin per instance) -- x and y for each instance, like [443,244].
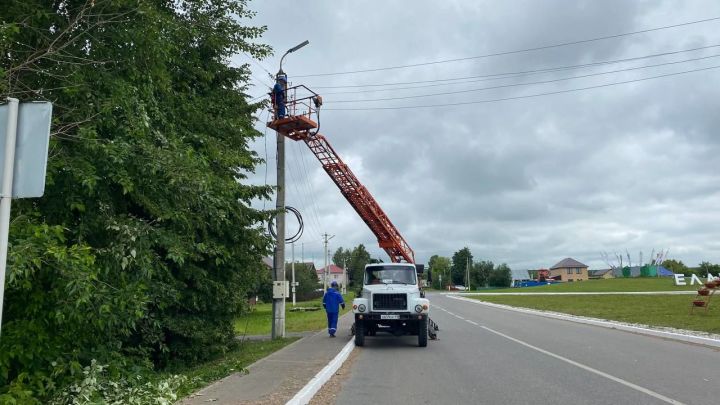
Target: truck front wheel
[359,333]
[422,332]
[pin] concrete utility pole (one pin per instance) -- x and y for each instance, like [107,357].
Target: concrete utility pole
[278,326]
[344,289]
[326,272]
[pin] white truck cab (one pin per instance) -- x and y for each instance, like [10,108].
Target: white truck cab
[392,302]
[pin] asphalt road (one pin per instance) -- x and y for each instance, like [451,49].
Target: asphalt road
[493,356]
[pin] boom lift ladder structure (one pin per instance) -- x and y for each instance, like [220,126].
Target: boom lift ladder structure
[302,124]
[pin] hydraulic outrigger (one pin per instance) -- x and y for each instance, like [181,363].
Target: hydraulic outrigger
[302,123]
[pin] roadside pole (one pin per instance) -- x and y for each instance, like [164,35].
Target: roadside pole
[6,193]
[278,326]
[326,271]
[293,271]
[467,272]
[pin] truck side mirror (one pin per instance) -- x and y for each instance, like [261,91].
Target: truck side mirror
[420,268]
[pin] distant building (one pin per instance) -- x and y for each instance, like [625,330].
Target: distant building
[569,269]
[335,273]
[519,275]
[600,274]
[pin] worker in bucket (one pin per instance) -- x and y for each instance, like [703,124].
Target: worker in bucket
[332,301]
[278,95]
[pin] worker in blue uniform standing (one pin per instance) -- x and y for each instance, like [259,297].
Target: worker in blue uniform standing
[278,95]
[332,301]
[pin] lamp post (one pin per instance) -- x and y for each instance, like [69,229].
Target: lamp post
[291,50]
[278,325]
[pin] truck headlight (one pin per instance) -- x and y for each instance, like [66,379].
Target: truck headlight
[361,307]
[418,308]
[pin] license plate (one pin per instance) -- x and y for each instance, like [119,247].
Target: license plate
[389,316]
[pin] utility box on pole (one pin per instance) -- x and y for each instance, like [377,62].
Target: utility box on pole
[280,290]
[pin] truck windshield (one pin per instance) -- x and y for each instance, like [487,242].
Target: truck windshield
[390,275]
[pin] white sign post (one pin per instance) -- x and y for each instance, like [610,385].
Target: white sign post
[6,192]
[24,139]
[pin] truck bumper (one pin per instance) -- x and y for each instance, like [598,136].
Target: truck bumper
[405,316]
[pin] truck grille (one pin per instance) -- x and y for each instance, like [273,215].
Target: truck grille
[389,301]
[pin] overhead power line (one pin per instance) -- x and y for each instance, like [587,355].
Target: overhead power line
[538,48]
[522,84]
[499,76]
[525,96]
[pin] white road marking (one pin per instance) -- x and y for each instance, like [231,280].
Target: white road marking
[647,330]
[588,368]
[459,317]
[450,313]
[474,323]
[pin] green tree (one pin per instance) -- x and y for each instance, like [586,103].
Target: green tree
[145,247]
[460,262]
[356,266]
[676,266]
[500,276]
[706,268]
[481,272]
[342,257]
[307,280]
[440,267]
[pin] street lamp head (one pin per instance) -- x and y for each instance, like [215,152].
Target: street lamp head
[298,46]
[293,49]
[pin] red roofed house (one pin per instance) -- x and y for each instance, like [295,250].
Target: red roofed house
[336,273]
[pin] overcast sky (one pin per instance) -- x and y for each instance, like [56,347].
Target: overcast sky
[527,181]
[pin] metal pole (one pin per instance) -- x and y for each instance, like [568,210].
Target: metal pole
[325,270]
[278,326]
[293,271]
[467,270]
[6,193]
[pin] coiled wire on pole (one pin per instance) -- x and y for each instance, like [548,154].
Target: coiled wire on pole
[300,230]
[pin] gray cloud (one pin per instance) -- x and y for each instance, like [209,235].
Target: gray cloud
[527,182]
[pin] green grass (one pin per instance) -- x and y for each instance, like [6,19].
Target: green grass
[259,321]
[609,285]
[658,310]
[233,361]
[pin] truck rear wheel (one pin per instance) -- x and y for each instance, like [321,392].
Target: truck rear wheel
[422,332]
[359,333]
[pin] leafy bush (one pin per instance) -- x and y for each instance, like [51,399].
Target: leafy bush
[144,248]
[97,387]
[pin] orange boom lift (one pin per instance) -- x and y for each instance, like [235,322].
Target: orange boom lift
[303,124]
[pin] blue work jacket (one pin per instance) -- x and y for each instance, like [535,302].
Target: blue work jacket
[332,300]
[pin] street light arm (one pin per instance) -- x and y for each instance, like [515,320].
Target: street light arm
[291,50]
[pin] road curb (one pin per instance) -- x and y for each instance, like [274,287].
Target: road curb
[688,338]
[313,386]
[683,292]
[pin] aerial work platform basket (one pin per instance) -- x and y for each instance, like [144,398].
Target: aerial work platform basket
[302,113]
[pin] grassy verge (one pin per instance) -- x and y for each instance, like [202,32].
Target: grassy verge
[236,360]
[609,285]
[658,310]
[258,322]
